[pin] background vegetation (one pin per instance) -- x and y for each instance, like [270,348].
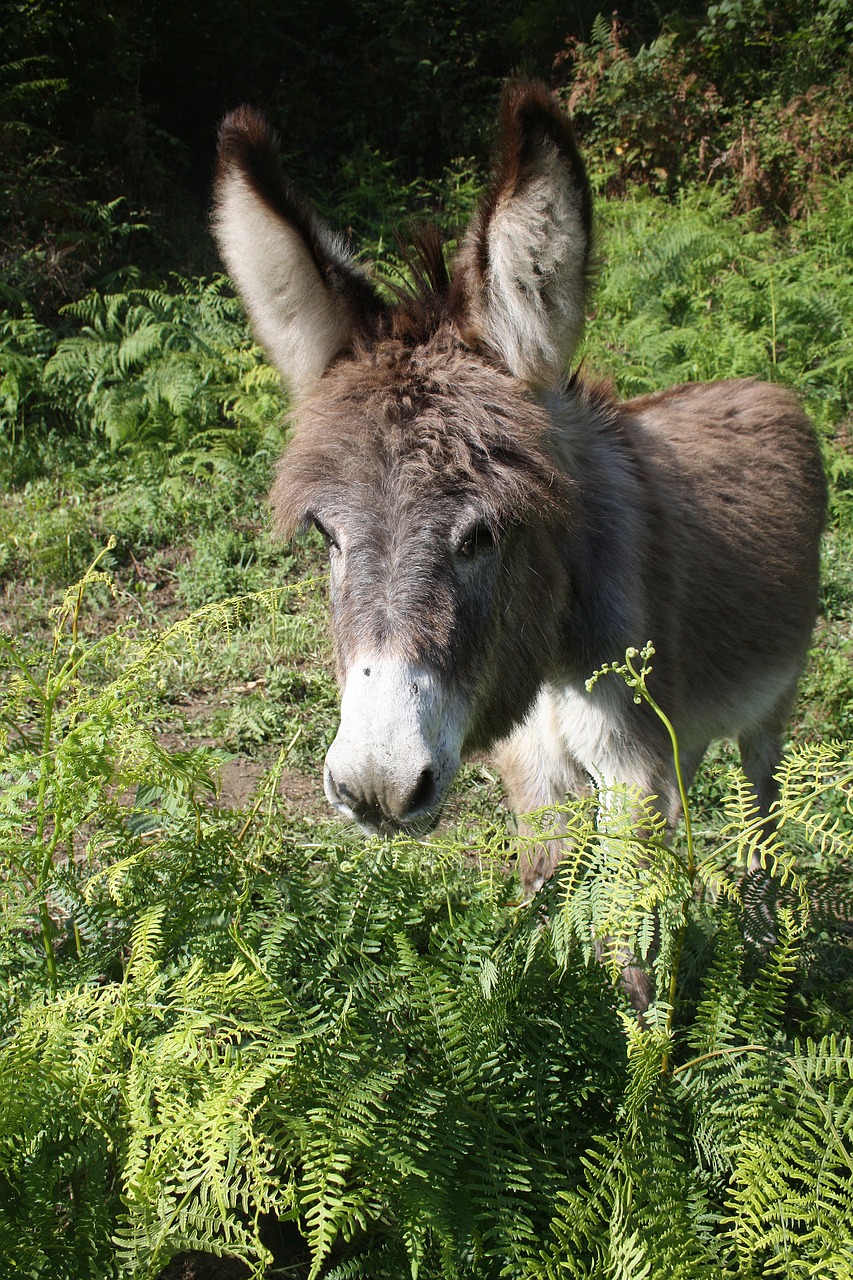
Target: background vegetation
[238,1039]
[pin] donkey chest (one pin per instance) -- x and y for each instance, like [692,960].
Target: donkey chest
[594,731]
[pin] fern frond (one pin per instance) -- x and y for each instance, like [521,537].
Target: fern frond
[792,1200]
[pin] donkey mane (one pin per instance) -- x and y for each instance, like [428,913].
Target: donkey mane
[420,305]
[426,407]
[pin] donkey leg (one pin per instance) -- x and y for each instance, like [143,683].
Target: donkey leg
[537,771]
[760,752]
[636,980]
[760,748]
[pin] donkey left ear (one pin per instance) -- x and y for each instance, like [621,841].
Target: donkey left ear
[522,275]
[305,295]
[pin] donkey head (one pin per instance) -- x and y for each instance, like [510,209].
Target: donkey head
[421,451]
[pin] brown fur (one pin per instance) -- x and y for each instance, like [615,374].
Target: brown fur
[496,534]
[424,430]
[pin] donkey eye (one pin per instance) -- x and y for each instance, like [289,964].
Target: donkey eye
[475,541]
[324,533]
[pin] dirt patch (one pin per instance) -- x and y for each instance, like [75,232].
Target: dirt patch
[303,794]
[241,775]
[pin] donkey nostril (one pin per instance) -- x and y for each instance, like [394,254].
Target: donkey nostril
[339,792]
[423,795]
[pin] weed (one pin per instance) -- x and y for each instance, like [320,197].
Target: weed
[215,1017]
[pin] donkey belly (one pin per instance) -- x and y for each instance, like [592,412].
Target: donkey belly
[573,739]
[597,732]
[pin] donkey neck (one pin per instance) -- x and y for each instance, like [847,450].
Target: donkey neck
[605,547]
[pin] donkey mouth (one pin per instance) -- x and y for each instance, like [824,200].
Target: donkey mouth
[379,824]
[373,819]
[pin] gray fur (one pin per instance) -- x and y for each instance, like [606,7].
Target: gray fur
[497,534]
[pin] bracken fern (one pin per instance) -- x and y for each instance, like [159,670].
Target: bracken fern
[218,1019]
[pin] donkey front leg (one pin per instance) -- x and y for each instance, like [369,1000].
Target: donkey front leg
[661,782]
[538,771]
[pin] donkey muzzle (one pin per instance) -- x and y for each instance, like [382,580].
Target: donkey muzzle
[396,751]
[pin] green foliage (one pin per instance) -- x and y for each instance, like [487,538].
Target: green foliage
[174,371]
[695,292]
[171,379]
[765,112]
[218,1019]
[54,234]
[724,1141]
[272,976]
[644,117]
[24,347]
[704,1172]
[790,47]
[214,1018]
[372,200]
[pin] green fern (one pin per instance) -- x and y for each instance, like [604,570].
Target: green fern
[157,369]
[213,1017]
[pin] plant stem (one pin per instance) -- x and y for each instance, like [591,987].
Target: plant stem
[720,1053]
[640,678]
[676,757]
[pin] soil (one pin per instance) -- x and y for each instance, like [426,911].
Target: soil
[240,776]
[239,779]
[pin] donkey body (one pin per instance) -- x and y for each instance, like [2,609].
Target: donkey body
[497,533]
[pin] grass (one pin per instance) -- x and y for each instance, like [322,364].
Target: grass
[229,1011]
[686,291]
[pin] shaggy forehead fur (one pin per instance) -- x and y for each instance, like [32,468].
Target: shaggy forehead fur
[428,419]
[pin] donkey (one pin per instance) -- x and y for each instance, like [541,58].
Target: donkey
[497,531]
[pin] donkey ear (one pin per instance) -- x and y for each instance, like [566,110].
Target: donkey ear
[304,294]
[522,274]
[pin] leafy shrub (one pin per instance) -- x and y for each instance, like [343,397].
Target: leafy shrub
[24,347]
[167,371]
[750,47]
[644,118]
[213,1018]
[781,156]
[56,234]
[693,291]
[757,112]
[371,200]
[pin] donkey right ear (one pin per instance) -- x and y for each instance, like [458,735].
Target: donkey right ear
[522,274]
[304,293]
